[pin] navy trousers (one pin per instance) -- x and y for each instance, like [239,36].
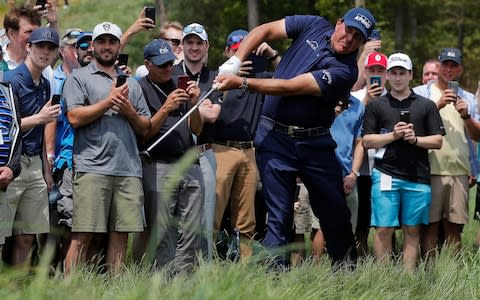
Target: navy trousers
[280,159]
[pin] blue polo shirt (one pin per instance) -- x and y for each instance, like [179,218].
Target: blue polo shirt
[346,128]
[31,99]
[310,52]
[65,133]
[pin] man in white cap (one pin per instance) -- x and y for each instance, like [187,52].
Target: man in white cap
[107,119]
[402,126]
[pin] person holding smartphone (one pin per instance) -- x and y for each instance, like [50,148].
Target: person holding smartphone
[107,121]
[181,215]
[451,166]
[402,126]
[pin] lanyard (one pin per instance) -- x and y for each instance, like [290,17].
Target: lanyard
[185,72]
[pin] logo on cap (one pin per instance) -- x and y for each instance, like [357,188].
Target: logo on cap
[364,20]
[47,34]
[451,54]
[106,26]
[163,50]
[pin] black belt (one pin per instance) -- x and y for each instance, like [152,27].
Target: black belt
[236,144]
[294,131]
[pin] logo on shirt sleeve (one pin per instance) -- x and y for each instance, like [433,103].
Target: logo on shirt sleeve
[327,76]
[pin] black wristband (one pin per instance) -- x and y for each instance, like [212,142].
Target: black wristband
[416,140]
[466,117]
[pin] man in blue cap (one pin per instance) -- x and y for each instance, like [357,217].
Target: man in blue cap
[293,137]
[179,241]
[26,197]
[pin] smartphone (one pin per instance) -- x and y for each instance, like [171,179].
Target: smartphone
[123,59]
[150,13]
[41,2]
[375,35]
[453,85]
[405,116]
[182,82]
[376,79]
[297,192]
[121,79]
[56,99]
[259,63]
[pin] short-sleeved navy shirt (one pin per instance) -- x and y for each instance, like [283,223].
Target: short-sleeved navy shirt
[31,99]
[180,140]
[310,51]
[401,159]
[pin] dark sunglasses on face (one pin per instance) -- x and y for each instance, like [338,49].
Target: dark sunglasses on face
[165,65]
[84,46]
[175,42]
[195,28]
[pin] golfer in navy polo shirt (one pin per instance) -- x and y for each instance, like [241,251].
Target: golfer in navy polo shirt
[293,136]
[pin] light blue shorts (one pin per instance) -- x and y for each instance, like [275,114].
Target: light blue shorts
[406,200]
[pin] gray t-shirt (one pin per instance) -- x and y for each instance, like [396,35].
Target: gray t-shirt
[108,145]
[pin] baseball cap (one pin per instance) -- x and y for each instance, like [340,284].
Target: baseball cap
[84,37]
[361,19]
[158,52]
[107,28]
[376,59]
[399,60]
[196,29]
[235,38]
[44,34]
[71,35]
[452,54]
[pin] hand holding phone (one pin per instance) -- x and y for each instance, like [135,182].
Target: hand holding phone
[183,82]
[375,79]
[121,80]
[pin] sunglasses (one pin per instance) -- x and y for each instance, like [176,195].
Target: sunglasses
[165,65]
[174,42]
[194,28]
[84,46]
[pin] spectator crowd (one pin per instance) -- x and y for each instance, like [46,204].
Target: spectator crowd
[333,142]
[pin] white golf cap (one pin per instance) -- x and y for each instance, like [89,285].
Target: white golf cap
[106,28]
[399,60]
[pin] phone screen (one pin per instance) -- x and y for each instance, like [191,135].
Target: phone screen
[375,35]
[121,79]
[182,82]
[150,13]
[123,59]
[405,116]
[56,99]
[453,85]
[259,63]
[376,80]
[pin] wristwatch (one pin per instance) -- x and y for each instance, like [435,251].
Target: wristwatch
[244,85]
[356,173]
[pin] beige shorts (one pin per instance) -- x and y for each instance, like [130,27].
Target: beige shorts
[24,206]
[449,199]
[103,203]
[305,220]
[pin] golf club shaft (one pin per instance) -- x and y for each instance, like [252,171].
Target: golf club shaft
[185,116]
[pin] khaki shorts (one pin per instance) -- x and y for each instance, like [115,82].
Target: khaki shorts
[24,206]
[103,203]
[449,199]
[305,220]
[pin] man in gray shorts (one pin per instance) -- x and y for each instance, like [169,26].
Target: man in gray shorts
[107,186]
